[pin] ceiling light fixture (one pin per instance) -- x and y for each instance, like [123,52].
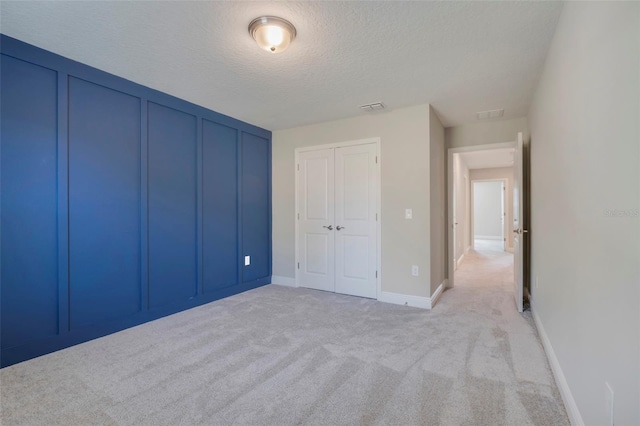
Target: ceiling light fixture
[272,34]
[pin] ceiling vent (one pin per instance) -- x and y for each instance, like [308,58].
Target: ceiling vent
[372,107]
[494,113]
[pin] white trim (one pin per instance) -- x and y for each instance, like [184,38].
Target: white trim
[284,281]
[405,299]
[337,145]
[488,237]
[459,261]
[436,294]
[375,141]
[413,301]
[561,381]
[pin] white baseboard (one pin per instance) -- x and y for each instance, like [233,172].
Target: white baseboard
[561,381]
[467,250]
[487,237]
[285,281]
[414,301]
[436,294]
[459,261]
[405,299]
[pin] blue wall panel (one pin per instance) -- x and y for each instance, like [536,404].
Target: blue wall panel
[220,205]
[112,193]
[172,205]
[29,218]
[256,207]
[104,203]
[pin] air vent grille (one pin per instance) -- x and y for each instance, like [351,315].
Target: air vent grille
[372,107]
[494,113]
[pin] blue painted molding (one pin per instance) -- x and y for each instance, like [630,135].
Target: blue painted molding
[76,237]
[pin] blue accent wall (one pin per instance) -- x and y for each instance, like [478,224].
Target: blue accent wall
[120,204]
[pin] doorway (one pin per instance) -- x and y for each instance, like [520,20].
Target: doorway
[489,212]
[481,242]
[337,218]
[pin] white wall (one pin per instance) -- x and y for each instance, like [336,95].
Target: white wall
[500,173]
[487,210]
[486,132]
[438,201]
[585,163]
[405,174]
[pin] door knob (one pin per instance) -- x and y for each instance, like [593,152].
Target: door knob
[339,227]
[330,227]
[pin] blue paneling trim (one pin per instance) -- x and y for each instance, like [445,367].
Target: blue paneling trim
[199,212]
[144,206]
[103,322]
[63,204]
[241,266]
[13,47]
[34,349]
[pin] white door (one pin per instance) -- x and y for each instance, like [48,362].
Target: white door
[316,234]
[518,232]
[337,229]
[355,220]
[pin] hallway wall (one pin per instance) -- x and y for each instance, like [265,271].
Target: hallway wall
[585,184]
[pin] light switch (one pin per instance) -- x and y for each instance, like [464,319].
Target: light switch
[408,214]
[247,260]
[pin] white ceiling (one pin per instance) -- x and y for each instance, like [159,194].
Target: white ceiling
[488,158]
[461,57]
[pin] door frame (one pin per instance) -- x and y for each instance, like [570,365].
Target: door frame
[450,241]
[505,221]
[378,178]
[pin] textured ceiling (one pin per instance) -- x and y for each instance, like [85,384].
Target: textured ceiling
[461,57]
[488,158]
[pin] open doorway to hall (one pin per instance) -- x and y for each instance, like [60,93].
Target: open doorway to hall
[482,196]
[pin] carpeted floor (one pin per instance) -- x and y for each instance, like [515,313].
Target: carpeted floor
[285,356]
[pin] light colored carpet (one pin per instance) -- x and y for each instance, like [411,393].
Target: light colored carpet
[284,356]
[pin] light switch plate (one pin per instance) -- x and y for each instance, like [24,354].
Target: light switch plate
[247,260]
[408,214]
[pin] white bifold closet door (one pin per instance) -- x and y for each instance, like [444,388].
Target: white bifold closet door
[337,205]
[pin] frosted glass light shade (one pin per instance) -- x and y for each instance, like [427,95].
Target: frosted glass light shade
[272,34]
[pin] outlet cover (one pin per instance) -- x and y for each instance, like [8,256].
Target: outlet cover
[415,271]
[408,214]
[247,260]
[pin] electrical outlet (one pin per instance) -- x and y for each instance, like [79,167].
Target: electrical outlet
[247,260]
[608,397]
[408,214]
[414,270]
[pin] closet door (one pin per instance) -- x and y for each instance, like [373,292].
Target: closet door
[355,220]
[316,232]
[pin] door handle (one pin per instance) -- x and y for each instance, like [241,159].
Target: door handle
[330,227]
[339,227]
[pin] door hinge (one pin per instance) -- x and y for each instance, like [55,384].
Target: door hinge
[376,159]
[298,216]
[376,274]
[298,265]
[376,217]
